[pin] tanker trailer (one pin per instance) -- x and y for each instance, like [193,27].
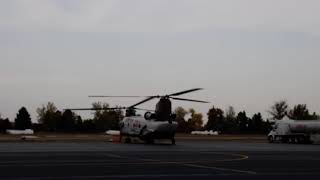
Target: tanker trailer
[294,131]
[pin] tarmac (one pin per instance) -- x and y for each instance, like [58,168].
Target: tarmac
[186,160]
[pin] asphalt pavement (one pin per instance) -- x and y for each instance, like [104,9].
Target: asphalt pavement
[186,160]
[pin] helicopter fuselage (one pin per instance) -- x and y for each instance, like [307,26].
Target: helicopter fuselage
[158,125]
[137,126]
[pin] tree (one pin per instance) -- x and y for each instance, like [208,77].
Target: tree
[301,112]
[257,123]
[106,119]
[242,120]
[279,110]
[88,126]
[23,119]
[215,119]
[79,123]
[230,113]
[267,126]
[57,116]
[47,115]
[195,122]
[49,108]
[114,117]
[315,116]
[4,124]
[182,123]
[68,121]
[230,123]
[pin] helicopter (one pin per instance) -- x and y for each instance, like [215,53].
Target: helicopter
[158,124]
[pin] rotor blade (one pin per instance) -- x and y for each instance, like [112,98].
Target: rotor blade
[184,92]
[95,109]
[143,109]
[192,100]
[143,101]
[115,96]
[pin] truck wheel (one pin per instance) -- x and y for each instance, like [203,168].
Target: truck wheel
[284,140]
[270,139]
[308,140]
[299,140]
[294,140]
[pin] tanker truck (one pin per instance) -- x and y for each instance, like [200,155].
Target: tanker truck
[294,131]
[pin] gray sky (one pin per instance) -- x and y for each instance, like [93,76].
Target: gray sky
[245,53]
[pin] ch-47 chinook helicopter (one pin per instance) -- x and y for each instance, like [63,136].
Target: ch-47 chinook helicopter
[158,124]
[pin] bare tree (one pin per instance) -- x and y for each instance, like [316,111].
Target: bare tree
[196,121]
[279,109]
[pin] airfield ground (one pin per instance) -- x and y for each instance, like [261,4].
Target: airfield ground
[191,158]
[60,137]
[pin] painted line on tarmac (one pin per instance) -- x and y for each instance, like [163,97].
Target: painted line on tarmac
[220,169]
[142,176]
[146,176]
[190,164]
[143,161]
[106,164]
[239,157]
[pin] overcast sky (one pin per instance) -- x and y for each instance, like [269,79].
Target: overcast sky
[245,53]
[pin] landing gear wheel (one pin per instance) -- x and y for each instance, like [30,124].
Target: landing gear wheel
[173,141]
[150,141]
[127,140]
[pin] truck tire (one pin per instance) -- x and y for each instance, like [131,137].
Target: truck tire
[284,139]
[294,140]
[270,139]
[300,140]
[308,140]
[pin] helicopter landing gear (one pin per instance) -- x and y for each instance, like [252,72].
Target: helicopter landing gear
[150,141]
[127,140]
[173,141]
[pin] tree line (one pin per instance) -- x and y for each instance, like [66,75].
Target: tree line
[281,109]
[227,122]
[50,119]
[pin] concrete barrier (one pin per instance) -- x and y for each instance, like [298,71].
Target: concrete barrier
[212,133]
[20,132]
[113,133]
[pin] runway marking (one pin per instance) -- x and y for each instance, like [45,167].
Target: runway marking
[80,164]
[114,156]
[101,162]
[145,176]
[144,162]
[188,164]
[241,157]
[220,169]
[122,176]
[192,163]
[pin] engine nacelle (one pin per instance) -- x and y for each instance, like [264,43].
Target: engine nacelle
[149,116]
